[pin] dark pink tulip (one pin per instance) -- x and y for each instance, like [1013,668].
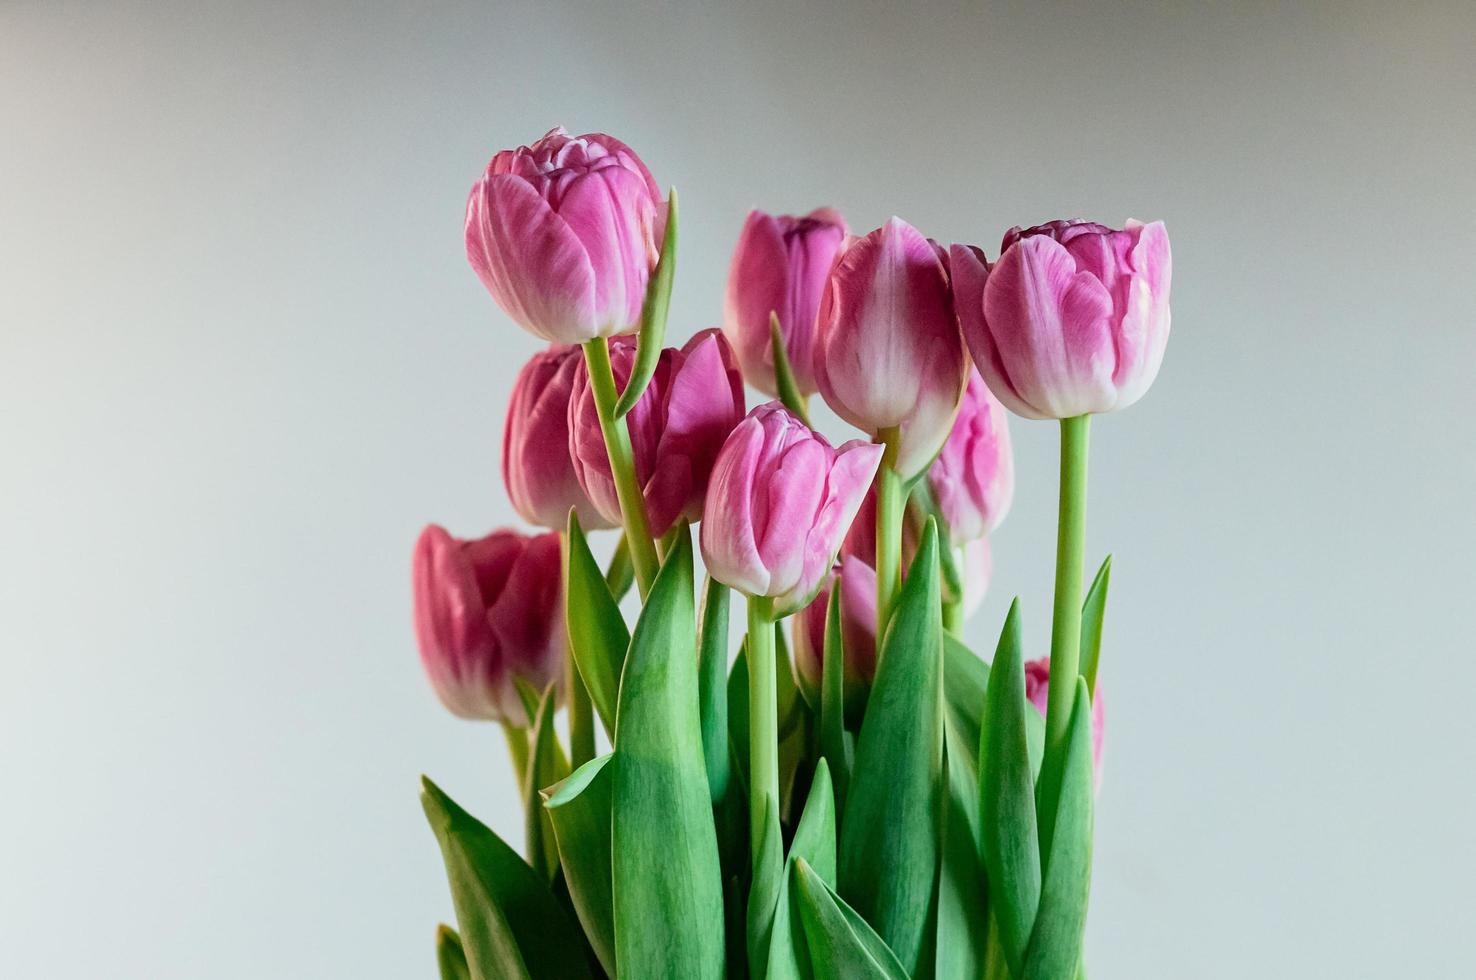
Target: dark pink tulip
[536,465]
[780,266]
[486,611]
[780,502]
[973,478]
[888,351]
[1073,318]
[1037,687]
[565,233]
[858,633]
[676,428]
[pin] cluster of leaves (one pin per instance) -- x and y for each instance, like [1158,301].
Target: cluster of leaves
[907,843]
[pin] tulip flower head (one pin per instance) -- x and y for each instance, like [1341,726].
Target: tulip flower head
[565,234]
[1037,690]
[694,400]
[888,348]
[488,611]
[973,479]
[536,465]
[780,501]
[858,634]
[1072,319]
[780,266]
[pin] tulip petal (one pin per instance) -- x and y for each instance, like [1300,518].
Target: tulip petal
[785,515]
[727,531]
[612,217]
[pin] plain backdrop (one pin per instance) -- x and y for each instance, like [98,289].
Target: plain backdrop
[244,361]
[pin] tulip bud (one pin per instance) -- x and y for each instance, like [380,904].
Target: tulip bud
[565,233]
[781,501]
[888,348]
[536,466]
[694,400]
[1037,688]
[780,266]
[1072,319]
[858,634]
[487,611]
[973,479]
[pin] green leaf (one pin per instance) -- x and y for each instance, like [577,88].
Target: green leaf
[1056,942]
[597,634]
[712,666]
[511,925]
[653,316]
[789,704]
[965,679]
[1007,798]
[840,941]
[833,745]
[765,892]
[547,767]
[889,836]
[814,842]
[1092,610]
[789,392]
[667,883]
[449,955]
[738,714]
[579,808]
[963,908]
[620,573]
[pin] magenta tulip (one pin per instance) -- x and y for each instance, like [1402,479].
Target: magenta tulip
[536,465]
[780,502]
[1037,690]
[888,348]
[780,266]
[488,611]
[858,633]
[694,400]
[565,234]
[973,479]
[1072,319]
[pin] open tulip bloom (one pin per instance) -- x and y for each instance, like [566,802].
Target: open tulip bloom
[881,802]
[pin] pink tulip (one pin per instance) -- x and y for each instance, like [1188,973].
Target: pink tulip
[973,478]
[1037,687]
[858,633]
[888,351]
[780,266]
[487,611]
[1072,319]
[536,466]
[565,233]
[676,428]
[781,501]
[973,558]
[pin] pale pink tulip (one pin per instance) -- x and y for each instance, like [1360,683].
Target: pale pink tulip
[858,633]
[973,479]
[1037,689]
[1072,319]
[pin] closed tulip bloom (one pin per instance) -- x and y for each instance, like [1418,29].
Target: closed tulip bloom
[1072,319]
[694,400]
[858,633]
[565,234]
[973,479]
[780,266]
[888,348]
[488,611]
[536,465]
[780,502]
[1037,688]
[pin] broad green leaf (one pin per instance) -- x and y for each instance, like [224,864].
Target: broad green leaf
[620,573]
[1092,610]
[449,955]
[814,843]
[789,705]
[833,745]
[1056,942]
[511,925]
[547,767]
[965,679]
[712,666]
[963,907]
[653,316]
[667,882]
[1007,798]
[579,809]
[889,836]
[597,635]
[789,392]
[765,892]
[840,941]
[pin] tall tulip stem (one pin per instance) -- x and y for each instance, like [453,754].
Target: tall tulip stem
[763,722]
[890,501]
[622,463]
[517,750]
[1066,616]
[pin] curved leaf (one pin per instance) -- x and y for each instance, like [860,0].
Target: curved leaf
[712,668]
[1092,610]
[963,907]
[547,766]
[653,316]
[834,747]
[579,809]
[597,634]
[450,957]
[789,392]
[841,943]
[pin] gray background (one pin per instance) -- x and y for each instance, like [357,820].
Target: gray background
[244,360]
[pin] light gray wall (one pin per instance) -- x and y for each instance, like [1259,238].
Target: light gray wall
[243,361]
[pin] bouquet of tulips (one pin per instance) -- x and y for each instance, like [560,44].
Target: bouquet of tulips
[866,797]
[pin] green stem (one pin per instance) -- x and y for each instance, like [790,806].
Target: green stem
[517,748]
[622,463]
[1065,618]
[953,617]
[763,722]
[890,502]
